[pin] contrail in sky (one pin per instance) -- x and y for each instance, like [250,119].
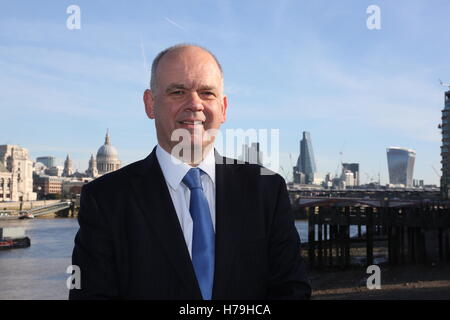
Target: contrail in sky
[143,54]
[174,23]
[146,68]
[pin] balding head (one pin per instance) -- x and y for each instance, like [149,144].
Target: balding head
[173,52]
[186,95]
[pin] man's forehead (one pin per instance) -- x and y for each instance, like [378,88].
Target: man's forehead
[190,75]
[192,84]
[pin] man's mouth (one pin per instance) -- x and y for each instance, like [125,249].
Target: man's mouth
[194,122]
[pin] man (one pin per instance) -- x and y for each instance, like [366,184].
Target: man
[184,223]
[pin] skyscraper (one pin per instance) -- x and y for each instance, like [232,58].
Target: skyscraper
[305,163]
[354,168]
[47,161]
[445,178]
[252,154]
[401,165]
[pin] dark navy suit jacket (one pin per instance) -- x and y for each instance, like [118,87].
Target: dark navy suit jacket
[130,244]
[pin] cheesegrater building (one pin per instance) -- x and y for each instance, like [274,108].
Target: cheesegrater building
[306,164]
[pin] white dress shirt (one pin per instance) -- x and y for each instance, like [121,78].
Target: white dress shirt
[174,171]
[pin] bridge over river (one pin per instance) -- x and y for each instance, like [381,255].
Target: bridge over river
[61,208]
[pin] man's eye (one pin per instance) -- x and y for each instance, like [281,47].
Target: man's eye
[208,93]
[177,93]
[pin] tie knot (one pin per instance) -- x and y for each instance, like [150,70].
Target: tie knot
[192,179]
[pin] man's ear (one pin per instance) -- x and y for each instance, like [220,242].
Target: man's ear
[149,103]
[224,111]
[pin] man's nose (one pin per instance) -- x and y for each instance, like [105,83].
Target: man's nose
[194,103]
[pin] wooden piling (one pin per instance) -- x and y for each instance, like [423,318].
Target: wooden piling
[347,236]
[414,234]
[319,237]
[358,216]
[369,235]
[332,243]
[447,245]
[311,237]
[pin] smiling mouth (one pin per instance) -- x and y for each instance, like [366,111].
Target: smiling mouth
[192,122]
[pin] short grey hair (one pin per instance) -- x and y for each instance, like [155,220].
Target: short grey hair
[160,55]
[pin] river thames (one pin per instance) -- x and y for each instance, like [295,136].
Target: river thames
[39,272]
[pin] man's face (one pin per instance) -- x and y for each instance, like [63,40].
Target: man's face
[188,95]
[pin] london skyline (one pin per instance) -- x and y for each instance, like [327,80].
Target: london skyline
[305,149]
[295,66]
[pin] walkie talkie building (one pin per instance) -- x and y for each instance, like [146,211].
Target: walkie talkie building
[401,166]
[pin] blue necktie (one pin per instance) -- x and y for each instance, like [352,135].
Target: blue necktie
[203,234]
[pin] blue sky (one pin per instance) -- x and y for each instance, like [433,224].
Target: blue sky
[289,65]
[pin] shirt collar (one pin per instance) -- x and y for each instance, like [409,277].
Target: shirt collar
[174,170]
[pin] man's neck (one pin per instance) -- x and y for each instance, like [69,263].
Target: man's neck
[192,156]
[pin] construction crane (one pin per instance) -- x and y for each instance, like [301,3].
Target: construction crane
[370,178]
[435,171]
[290,161]
[444,84]
[285,174]
[340,163]
[292,167]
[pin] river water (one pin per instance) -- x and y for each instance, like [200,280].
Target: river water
[39,272]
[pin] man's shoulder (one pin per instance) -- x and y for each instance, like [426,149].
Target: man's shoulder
[117,178]
[254,171]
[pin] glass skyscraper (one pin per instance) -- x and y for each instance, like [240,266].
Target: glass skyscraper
[49,162]
[306,165]
[401,166]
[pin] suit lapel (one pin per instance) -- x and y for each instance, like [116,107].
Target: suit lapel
[154,200]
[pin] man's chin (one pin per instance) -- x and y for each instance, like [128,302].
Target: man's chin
[192,153]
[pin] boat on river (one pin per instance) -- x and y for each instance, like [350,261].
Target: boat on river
[11,238]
